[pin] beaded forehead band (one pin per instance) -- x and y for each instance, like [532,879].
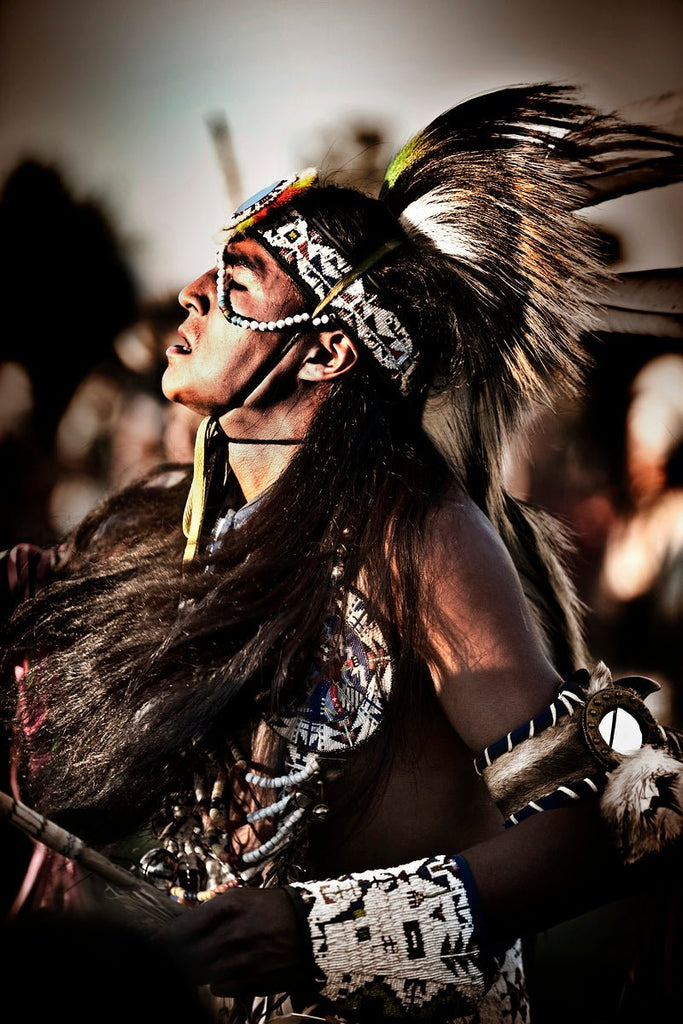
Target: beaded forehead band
[323,274]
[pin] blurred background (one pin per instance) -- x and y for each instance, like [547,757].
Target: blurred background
[127,131]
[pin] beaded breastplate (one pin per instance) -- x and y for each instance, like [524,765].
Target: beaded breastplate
[347,687]
[251,818]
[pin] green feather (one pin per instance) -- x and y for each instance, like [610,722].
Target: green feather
[411,152]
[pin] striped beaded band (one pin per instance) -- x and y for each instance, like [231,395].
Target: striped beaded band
[326,277]
[578,789]
[569,700]
[561,755]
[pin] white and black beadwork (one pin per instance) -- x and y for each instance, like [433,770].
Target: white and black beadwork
[317,266]
[401,939]
[347,689]
[296,321]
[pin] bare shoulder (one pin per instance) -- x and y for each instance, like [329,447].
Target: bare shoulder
[487,661]
[465,554]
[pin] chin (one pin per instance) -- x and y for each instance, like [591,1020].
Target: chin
[170,389]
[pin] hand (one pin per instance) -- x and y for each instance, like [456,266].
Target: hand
[244,942]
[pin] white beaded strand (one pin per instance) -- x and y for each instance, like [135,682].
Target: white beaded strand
[277,841]
[280,781]
[273,325]
[225,306]
[270,811]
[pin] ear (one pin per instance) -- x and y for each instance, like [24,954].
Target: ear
[329,355]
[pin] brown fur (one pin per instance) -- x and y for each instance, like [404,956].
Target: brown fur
[553,758]
[643,803]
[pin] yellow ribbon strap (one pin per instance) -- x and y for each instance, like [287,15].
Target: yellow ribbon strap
[196,499]
[348,279]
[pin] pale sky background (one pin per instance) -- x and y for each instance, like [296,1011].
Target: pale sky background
[116,94]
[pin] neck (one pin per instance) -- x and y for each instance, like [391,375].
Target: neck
[257,466]
[262,443]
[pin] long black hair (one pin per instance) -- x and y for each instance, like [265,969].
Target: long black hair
[141,669]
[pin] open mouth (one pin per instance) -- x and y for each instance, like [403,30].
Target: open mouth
[180,348]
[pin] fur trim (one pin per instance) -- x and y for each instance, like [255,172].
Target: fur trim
[643,803]
[540,765]
[641,796]
[546,760]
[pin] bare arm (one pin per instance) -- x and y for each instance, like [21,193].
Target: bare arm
[487,661]
[491,675]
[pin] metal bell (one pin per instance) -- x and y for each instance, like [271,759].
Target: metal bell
[159,867]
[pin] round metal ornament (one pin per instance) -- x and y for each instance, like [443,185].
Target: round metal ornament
[616,723]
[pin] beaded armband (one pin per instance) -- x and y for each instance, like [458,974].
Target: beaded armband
[395,942]
[597,739]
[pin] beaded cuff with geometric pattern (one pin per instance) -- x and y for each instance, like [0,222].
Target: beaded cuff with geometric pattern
[395,942]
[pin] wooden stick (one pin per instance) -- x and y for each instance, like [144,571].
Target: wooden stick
[68,845]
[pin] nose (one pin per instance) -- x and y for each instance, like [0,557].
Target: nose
[197,294]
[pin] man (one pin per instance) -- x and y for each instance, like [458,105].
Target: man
[274,715]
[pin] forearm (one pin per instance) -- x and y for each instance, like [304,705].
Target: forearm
[432,932]
[553,867]
[384,935]
[571,827]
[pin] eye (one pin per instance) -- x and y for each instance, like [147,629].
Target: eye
[229,277]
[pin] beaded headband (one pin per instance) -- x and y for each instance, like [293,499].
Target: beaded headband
[313,260]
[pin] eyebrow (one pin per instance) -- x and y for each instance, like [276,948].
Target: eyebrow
[242,259]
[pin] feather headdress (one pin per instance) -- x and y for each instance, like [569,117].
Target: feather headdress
[488,192]
[494,186]
[473,282]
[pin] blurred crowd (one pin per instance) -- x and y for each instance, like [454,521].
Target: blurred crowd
[610,467]
[81,414]
[81,358]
